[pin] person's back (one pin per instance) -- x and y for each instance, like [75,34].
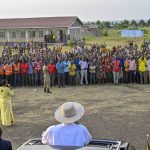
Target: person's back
[4,144]
[68,133]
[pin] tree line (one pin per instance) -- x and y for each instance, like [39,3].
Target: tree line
[125,24]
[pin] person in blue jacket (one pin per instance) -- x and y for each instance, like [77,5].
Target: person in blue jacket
[4,144]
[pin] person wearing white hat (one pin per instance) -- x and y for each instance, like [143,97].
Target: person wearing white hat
[68,133]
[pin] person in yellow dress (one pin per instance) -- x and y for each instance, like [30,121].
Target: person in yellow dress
[7,118]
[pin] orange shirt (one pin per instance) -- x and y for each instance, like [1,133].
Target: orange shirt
[8,70]
[2,69]
[126,65]
[16,68]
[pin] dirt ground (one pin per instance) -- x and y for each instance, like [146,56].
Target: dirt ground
[111,112]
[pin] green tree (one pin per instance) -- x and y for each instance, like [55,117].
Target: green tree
[133,24]
[98,22]
[106,24]
[142,23]
[148,22]
[125,24]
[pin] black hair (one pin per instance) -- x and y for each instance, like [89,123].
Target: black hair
[4,82]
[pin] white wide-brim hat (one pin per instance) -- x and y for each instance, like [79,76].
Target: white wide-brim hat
[69,112]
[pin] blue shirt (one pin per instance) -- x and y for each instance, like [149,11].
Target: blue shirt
[31,70]
[122,60]
[76,62]
[60,67]
[66,69]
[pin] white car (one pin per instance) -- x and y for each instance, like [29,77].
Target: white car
[95,144]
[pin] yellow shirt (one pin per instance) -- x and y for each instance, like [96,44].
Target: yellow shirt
[142,64]
[72,70]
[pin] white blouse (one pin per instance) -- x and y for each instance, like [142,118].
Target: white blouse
[66,135]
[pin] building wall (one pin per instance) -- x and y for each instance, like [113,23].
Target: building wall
[75,33]
[75,30]
[3,39]
[77,23]
[90,32]
[56,31]
[19,35]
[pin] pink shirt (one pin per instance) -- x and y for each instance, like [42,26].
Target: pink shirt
[132,65]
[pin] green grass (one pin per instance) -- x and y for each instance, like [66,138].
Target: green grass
[114,39]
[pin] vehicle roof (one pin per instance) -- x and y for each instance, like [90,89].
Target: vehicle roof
[46,147]
[95,144]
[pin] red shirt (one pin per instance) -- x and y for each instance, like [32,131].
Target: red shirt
[107,68]
[35,67]
[41,66]
[24,67]
[52,68]
[116,65]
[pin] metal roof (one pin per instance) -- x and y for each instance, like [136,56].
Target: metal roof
[43,22]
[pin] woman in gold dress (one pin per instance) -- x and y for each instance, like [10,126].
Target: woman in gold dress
[6,94]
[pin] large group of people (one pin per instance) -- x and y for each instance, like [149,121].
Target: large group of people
[22,64]
[36,64]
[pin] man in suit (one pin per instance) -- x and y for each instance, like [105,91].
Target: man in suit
[4,144]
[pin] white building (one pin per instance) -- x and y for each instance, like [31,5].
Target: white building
[34,29]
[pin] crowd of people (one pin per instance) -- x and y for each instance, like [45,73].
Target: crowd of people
[22,64]
[36,64]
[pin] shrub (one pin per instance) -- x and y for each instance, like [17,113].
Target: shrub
[71,43]
[145,31]
[105,32]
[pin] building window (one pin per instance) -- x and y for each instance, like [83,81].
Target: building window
[32,34]
[2,34]
[13,34]
[23,34]
[41,34]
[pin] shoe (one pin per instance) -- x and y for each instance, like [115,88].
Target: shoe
[48,91]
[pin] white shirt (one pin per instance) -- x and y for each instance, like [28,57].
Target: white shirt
[83,64]
[132,65]
[66,135]
[148,64]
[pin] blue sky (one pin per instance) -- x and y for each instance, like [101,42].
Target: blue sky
[86,10]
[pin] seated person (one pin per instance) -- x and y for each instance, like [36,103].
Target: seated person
[68,133]
[4,145]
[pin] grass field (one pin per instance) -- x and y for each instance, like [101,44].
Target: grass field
[114,39]
[111,112]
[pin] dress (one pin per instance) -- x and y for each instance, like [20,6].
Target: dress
[7,118]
